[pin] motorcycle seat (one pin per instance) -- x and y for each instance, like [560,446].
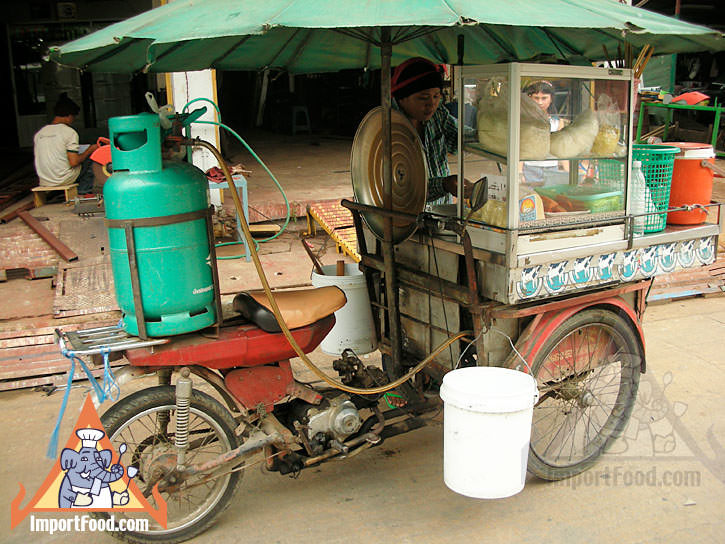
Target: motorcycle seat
[299,308]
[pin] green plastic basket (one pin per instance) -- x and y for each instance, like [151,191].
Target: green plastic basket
[611,172]
[657,162]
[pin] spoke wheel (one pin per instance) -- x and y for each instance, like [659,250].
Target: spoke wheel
[588,374]
[146,421]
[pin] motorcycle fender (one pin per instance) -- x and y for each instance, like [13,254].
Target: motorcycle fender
[551,320]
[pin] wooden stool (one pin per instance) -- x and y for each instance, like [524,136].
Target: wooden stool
[71,191]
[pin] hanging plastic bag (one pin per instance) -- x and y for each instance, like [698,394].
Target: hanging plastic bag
[493,124]
[607,138]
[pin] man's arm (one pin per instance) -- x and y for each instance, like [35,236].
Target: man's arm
[77,158]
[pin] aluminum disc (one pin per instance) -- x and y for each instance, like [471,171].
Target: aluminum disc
[410,171]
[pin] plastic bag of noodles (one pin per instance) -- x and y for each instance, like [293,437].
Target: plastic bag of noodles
[493,123]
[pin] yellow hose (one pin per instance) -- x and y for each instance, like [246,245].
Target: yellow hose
[277,314]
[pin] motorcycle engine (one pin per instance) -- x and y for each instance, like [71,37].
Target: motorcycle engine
[338,420]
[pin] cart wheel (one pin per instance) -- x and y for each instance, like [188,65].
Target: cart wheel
[145,421]
[588,374]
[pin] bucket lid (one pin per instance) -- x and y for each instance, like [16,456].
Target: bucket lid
[489,389]
[693,150]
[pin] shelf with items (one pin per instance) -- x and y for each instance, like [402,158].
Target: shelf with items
[672,107]
[478,149]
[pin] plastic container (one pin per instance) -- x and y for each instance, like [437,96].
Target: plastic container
[354,327]
[691,182]
[486,430]
[595,198]
[637,198]
[657,162]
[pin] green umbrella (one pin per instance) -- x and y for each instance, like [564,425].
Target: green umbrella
[304,36]
[307,36]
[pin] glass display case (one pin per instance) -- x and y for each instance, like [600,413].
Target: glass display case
[554,144]
[558,139]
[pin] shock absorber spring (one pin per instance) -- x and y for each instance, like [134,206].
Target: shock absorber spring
[183,401]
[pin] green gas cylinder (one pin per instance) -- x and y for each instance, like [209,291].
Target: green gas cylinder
[162,206]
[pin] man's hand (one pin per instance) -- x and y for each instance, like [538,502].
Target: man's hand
[77,158]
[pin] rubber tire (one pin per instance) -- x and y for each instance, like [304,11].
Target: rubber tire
[626,395]
[164,395]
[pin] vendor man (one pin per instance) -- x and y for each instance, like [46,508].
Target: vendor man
[58,161]
[417,87]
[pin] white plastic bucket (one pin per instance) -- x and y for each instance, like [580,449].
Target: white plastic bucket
[354,327]
[486,430]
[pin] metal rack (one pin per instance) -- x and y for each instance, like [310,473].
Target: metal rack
[102,340]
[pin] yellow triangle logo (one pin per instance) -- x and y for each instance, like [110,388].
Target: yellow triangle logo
[88,476]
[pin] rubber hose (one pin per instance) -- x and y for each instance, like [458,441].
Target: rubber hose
[275,308]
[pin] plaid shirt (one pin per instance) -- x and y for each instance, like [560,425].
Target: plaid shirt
[440,137]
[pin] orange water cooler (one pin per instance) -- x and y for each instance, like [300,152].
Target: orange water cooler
[691,182]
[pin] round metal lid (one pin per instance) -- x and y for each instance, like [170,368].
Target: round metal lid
[410,171]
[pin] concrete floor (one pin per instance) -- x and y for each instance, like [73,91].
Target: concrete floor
[675,444]
[395,493]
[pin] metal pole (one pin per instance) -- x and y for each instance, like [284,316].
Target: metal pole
[391,283]
[135,281]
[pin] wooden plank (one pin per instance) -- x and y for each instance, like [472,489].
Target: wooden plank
[48,363]
[36,368]
[20,333]
[86,288]
[27,341]
[45,321]
[264,228]
[64,188]
[20,361]
[675,293]
[54,379]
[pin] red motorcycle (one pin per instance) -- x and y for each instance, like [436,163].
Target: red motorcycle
[195,447]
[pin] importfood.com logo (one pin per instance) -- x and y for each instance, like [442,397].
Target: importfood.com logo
[622,476]
[89,476]
[86,523]
[653,446]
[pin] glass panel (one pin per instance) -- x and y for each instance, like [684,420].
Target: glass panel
[486,139]
[582,177]
[572,146]
[485,107]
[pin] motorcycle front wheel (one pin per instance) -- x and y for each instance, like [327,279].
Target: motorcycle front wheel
[146,422]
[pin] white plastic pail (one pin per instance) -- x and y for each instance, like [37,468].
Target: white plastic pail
[354,327]
[486,430]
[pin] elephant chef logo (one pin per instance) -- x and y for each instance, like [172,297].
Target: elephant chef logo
[89,475]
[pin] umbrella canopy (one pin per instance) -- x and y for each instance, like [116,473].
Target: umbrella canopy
[307,36]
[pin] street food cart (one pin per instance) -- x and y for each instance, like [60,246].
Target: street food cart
[513,282]
[554,289]
[562,294]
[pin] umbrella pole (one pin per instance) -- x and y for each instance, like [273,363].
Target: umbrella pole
[391,281]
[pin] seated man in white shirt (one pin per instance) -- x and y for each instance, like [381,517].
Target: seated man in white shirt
[58,161]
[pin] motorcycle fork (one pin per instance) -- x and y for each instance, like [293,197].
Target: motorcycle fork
[183,401]
[210,468]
